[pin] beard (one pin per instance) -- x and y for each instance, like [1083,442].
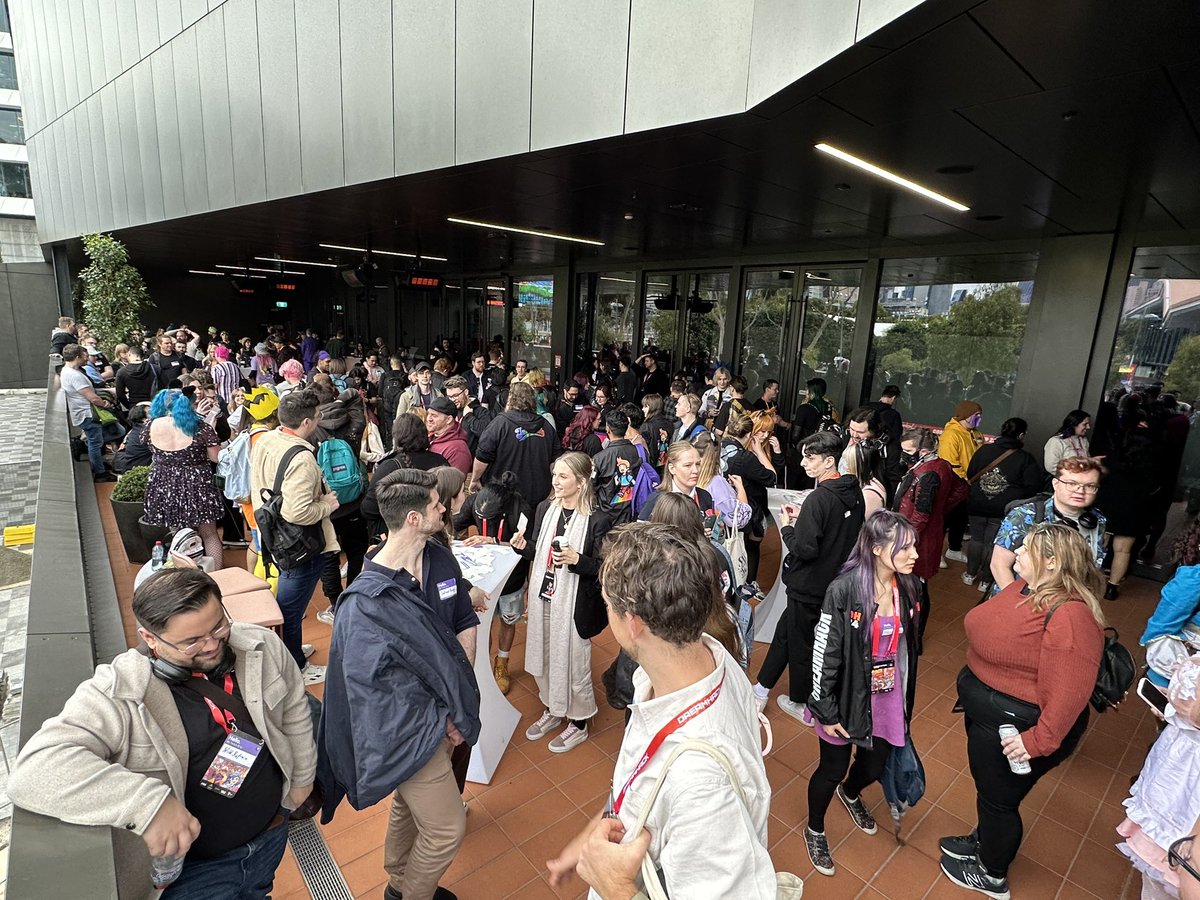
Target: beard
[222,662]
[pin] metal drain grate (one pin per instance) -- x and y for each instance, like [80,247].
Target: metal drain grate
[321,874]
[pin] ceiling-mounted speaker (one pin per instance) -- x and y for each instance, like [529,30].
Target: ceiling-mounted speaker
[666,301]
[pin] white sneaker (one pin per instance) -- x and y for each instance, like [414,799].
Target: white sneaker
[313,674]
[956,556]
[325,616]
[984,586]
[543,726]
[571,738]
[344,570]
[797,711]
[944,564]
[967,579]
[760,703]
[308,650]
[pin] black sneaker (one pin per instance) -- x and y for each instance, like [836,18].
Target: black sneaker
[106,477]
[818,851]
[969,874]
[962,846]
[858,812]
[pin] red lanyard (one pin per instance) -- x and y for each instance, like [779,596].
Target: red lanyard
[499,530]
[897,627]
[665,732]
[222,717]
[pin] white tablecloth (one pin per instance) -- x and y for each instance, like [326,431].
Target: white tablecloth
[766,617]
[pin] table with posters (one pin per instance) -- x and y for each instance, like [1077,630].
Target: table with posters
[487,567]
[766,617]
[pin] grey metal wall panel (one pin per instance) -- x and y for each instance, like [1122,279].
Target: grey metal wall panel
[423,84]
[144,104]
[214,103]
[792,38]
[280,96]
[874,14]
[192,10]
[77,129]
[47,155]
[170,20]
[366,42]
[92,122]
[167,121]
[112,154]
[191,122]
[245,101]
[492,64]
[579,54]
[72,180]
[318,65]
[93,38]
[77,80]
[148,37]
[112,40]
[59,45]
[131,153]
[674,75]
[127,25]
[60,195]
[28,64]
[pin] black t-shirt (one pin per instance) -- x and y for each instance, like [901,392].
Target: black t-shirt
[225,822]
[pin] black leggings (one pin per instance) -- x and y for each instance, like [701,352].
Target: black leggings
[835,761]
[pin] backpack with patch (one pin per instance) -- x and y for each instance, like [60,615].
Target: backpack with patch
[233,465]
[645,483]
[341,469]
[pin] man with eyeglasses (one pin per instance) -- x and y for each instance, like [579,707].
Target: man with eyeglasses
[1076,483]
[196,744]
[474,416]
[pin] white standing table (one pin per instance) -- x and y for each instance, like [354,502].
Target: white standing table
[766,617]
[487,567]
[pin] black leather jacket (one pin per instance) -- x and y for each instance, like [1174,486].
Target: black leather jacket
[842,657]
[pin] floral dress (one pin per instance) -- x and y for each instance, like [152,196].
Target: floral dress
[180,492]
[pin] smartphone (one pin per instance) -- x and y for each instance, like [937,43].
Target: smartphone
[1154,697]
[710,521]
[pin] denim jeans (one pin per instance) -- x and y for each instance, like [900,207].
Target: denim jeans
[244,873]
[296,588]
[97,436]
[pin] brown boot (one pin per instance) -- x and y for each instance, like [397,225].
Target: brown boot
[500,671]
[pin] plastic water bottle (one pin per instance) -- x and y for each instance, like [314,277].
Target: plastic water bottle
[1019,767]
[158,557]
[165,869]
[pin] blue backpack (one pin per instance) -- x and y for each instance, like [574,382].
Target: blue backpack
[645,484]
[341,469]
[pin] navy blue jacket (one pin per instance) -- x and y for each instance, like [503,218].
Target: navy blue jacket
[396,673]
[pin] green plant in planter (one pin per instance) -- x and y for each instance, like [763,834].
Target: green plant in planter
[131,487]
[111,291]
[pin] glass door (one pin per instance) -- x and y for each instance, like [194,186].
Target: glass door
[683,321]
[831,307]
[534,299]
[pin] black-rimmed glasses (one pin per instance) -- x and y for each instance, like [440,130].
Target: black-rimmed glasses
[1179,855]
[217,634]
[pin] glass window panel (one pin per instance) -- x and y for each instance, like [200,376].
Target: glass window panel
[531,322]
[495,301]
[831,307]
[616,306]
[769,297]
[14,180]
[4,23]
[8,71]
[581,343]
[12,127]
[660,316]
[942,343]
[708,301]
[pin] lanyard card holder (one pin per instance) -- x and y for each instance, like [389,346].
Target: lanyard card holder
[227,772]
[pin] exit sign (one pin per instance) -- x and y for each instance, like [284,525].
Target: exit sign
[281,304]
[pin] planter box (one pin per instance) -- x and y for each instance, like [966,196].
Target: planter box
[127,516]
[151,534]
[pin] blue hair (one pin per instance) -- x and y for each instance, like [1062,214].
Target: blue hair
[893,532]
[179,406]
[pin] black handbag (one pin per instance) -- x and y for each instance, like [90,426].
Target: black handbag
[285,543]
[1117,668]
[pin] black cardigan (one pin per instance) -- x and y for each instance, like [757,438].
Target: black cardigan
[591,617]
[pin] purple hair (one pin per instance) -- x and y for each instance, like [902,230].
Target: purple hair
[882,528]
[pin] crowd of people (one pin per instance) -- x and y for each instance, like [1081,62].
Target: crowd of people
[637,502]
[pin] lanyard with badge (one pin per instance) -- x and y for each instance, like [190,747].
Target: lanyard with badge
[236,756]
[883,665]
[613,808]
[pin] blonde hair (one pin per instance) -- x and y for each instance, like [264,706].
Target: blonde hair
[1075,578]
[693,403]
[710,458]
[535,378]
[675,452]
[579,465]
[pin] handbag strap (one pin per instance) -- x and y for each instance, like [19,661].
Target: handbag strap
[995,462]
[292,453]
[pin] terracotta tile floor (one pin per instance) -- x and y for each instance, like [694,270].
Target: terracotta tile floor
[538,800]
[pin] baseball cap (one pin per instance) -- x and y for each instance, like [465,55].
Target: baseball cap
[421,365]
[212,329]
[92,350]
[261,402]
[323,355]
[444,405]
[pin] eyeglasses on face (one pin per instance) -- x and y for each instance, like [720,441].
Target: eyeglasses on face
[1179,855]
[1078,486]
[217,634]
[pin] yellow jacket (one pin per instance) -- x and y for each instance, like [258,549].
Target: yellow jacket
[958,445]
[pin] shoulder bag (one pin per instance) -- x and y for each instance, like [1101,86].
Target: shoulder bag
[1117,668]
[787,885]
[993,464]
[285,543]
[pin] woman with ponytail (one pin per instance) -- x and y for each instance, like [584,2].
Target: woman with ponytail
[180,492]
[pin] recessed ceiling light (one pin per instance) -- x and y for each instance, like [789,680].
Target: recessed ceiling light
[530,231]
[817,276]
[203,272]
[890,176]
[955,170]
[257,269]
[628,217]
[383,252]
[297,262]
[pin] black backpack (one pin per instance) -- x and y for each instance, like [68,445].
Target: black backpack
[285,543]
[1117,669]
[391,385]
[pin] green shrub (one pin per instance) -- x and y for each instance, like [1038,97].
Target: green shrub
[131,487]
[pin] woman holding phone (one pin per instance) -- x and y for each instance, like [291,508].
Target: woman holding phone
[565,607]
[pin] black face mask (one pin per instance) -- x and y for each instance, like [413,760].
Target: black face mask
[909,459]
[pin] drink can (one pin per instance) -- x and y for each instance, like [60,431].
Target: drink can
[165,869]
[1019,767]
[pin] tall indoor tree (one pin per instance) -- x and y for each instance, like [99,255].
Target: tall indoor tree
[112,292]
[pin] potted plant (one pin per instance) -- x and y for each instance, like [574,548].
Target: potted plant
[127,500]
[110,291]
